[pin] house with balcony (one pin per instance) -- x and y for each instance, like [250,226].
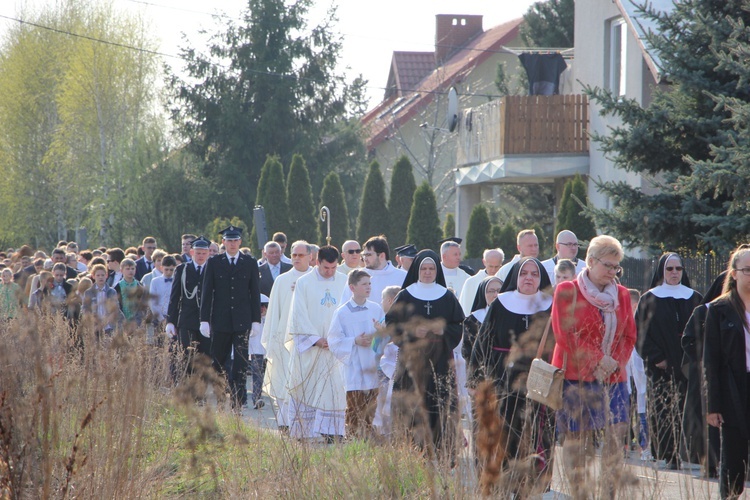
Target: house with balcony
[412,118]
[544,139]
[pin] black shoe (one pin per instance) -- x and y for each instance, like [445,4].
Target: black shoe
[259,404]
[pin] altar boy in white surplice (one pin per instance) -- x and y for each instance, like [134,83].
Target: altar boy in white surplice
[316,378]
[350,338]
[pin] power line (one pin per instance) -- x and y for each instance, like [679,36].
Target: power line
[502,50]
[172,56]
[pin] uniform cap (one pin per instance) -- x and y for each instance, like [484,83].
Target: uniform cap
[231,233]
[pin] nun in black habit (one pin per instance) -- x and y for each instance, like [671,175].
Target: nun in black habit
[474,321]
[425,323]
[702,448]
[504,349]
[661,316]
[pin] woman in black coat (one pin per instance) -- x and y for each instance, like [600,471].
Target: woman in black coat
[702,441]
[727,366]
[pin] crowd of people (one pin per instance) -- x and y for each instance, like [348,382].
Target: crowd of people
[354,344]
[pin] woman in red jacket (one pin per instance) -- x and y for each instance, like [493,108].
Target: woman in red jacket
[594,333]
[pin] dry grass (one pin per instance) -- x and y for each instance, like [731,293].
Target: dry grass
[109,422]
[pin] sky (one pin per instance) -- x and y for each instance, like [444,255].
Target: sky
[371,30]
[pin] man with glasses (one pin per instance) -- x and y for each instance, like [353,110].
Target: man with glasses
[567,248]
[352,254]
[145,264]
[383,274]
[274,332]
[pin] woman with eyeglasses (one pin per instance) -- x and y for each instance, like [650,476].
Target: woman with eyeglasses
[662,314]
[726,361]
[486,294]
[594,337]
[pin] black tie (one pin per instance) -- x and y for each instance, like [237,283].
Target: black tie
[232,259]
[148,264]
[199,270]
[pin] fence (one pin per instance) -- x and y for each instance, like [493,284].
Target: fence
[637,273]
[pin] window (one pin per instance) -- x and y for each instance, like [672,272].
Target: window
[616,56]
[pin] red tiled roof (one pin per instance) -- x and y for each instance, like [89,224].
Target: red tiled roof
[407,70]
[396,110]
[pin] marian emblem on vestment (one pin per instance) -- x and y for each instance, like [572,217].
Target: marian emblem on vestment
[328,300]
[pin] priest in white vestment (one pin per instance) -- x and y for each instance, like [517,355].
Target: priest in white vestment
[351,257]
[493,261]
[316,379]
[274,332]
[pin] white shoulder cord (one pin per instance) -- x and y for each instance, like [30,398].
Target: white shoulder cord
[189,295]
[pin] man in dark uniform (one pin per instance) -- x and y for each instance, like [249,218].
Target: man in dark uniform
[230,307]
[185,299]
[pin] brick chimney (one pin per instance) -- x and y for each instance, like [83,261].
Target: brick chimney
[452,32]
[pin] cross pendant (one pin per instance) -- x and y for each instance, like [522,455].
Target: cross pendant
[526,320]
[428,306]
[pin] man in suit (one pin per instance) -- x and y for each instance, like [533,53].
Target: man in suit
[272,267]
[183,314]
[59,255]
[145,264]
[230,307]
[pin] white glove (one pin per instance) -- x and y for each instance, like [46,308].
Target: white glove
[170,330]
[205,329]
[255,330]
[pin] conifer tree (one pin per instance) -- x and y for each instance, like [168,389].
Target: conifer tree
[478,234]
[507,240]
[449,227]
[572,214]
[272,197]
[400,199]
[541,236]
[373,212]
[424,223]
[496,235]
[302,213]
[564,209]
[333,197]
[683,139]
[219,223]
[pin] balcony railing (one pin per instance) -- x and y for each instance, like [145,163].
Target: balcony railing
[523,125]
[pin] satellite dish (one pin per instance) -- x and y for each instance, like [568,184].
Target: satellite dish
[452,109]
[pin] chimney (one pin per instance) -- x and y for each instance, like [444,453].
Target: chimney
[453,32]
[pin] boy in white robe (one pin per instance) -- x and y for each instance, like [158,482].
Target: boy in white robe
[350,335]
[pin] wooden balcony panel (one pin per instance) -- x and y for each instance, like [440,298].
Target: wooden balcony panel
[524,125]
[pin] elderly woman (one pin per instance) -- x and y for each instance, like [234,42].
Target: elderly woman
[425,321]
[486,294]
[504,349]
[661,317]
[594,333]
[727,366]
